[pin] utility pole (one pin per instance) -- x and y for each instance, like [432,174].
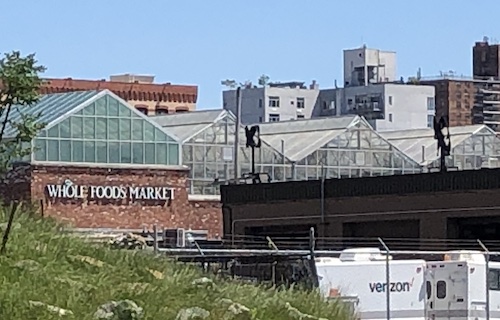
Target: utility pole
[232,84]
[237,134]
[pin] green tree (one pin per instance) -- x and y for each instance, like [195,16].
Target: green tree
[19,89]
[263,80]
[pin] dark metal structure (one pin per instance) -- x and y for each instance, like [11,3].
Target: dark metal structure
[443,142]
[273,269]
[253,142]
[277,268]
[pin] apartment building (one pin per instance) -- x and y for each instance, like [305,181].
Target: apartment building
[387,106]
[139,90]
[471,100]
[455,98]
[486,60]
[370,90]
[273,102]
[364,66]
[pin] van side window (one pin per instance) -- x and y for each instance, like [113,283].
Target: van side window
[429,289]
[494,279]
[441,289]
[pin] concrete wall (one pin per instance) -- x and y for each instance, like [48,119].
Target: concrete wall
[288,102]
[252,104]
[329,103]
[404,106]
[383,61]
[408,107]
[255,103]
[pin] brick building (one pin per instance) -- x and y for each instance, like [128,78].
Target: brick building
[100,162]
[455,205]
[486,60]
[140,91]
[455,99]
[472,100]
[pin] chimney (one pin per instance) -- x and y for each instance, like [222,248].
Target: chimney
[314,85]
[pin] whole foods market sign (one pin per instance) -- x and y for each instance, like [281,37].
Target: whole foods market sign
[69,190]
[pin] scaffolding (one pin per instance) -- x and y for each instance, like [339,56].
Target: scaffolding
[473,147]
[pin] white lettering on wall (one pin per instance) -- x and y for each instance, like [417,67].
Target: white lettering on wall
[68,190]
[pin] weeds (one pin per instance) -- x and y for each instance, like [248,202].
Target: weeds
[41,265]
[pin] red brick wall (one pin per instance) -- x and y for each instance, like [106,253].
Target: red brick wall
[15,185]
[179,213]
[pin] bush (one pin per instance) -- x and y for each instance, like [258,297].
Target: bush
[47,275]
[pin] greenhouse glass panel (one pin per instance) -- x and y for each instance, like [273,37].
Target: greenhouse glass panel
[356,152]
[40,147]
[106,131]
[209,154]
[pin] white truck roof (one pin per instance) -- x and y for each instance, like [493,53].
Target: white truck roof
[465,255]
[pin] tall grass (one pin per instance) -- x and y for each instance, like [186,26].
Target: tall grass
[39,265]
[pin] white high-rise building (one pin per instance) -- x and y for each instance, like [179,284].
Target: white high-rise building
[364,66]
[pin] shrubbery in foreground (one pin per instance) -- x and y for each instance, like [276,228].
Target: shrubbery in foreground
[46,275]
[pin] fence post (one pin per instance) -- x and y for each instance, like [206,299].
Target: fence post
[155,238]
[487,258]
[271,244]
[312,245]
[387,279]
[312,242]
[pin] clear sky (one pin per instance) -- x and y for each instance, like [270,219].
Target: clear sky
[205,41]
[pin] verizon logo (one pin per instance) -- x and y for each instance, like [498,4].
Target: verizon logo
[393,286]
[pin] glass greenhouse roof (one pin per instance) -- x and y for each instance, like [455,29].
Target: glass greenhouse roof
[51,107]
[299,138]
[420,145]
[54,108]
[186,125]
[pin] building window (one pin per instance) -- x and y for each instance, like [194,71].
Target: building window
[181,109]
[494,279]
[441,289]
[301,103]
[431,104]
[390,117]
[428,289]
[161,111]
[300,116]
[274,102]
[260,119]
[260,103]
[143,110]
[325,105]
[390,100]
[274,117]
[106,131]
[430,121]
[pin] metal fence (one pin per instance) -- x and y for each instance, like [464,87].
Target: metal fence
[432,254]
[284,260]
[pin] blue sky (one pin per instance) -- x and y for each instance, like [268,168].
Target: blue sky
[204,41]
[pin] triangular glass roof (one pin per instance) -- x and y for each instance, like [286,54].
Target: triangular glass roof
[55,108]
